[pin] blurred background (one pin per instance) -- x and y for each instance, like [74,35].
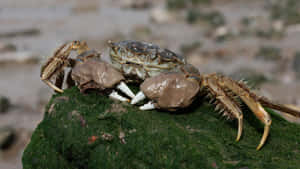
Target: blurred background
[257,40]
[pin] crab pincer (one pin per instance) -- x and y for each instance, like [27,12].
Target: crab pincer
[96,74]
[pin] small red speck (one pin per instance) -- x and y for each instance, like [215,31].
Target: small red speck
[92,139]
[214,165]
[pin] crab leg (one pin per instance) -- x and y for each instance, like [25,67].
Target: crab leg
[224,103]
[125,89]
[295,111]
[250,99]
[115,95]
[138,97]
[53,86]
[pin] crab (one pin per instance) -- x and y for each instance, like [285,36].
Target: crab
[171,84]
[165,78]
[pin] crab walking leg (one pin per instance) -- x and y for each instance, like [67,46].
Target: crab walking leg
[138,97]
[125,89]
[148,106]
[249,98]
[292,110]
[115,95]
[53,86]
[224,103]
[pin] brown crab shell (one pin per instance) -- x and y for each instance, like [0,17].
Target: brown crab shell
[171,91]
[95,74]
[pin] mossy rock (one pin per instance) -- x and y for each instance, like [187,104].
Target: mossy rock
[71,136]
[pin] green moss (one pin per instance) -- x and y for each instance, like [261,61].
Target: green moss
[194,138]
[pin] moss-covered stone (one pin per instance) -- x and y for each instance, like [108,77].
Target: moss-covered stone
[92,131]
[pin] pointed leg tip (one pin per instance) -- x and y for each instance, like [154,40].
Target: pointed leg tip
[60,91]
[238,138]
[258,148]
[240,128]
[264,137]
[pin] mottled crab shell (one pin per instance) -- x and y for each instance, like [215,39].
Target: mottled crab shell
[171,91]
[142,60]
[95,74]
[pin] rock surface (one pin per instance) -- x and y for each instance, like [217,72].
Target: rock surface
[90,131]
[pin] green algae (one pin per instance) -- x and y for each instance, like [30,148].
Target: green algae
[193,138]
